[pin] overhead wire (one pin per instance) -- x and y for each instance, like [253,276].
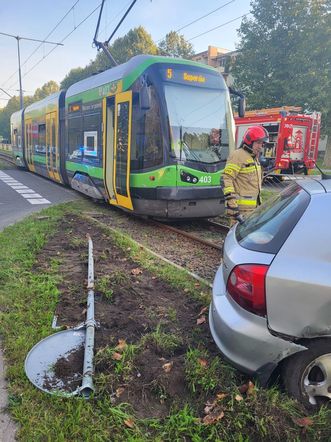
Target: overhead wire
[114,18]
[50,33]
[219,26]
[95,9]
[199,18]
[53,49]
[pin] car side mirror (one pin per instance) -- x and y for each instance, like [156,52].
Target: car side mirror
[144,97]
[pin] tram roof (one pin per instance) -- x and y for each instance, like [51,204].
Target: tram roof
[50,100]
[128,72]
[16,115]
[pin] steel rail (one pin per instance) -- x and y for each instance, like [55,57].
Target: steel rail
[7,157]
[90,218]
[222,227]
[186,234]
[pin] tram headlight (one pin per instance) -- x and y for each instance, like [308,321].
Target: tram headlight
[188,177]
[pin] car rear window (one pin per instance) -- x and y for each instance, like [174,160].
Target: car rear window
[268,227]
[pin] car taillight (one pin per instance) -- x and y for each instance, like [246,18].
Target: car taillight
[246,285]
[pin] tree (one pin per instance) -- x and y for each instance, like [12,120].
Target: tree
[285,55]
[75,75]
[175,45]
[13,105]
[47,89]
[136,41]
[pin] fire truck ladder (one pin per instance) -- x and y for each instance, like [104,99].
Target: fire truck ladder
[314,135]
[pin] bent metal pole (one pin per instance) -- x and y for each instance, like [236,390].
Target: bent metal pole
[87,384]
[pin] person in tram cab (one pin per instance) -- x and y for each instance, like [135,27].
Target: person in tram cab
[242,176]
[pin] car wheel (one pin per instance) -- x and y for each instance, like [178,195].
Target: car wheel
[307,375]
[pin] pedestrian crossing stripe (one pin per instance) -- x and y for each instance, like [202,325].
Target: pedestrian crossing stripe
[28,194]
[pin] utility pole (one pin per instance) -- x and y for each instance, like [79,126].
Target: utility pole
[18,38]
[19,72]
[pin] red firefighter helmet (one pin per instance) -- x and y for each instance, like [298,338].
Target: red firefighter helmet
[255,133]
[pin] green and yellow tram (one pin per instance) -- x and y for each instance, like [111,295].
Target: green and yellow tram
[151,136]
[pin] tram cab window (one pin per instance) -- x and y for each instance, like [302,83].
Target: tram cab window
[199,123]
[146,149]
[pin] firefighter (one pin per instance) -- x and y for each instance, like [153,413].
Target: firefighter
[242,176]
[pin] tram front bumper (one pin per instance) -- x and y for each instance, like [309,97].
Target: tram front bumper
[178,202]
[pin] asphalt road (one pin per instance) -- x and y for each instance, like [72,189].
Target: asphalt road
[22,193]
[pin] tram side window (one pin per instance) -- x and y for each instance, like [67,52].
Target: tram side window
[92,138]
[14,138]
[147,152]
[41,146]
[75,138]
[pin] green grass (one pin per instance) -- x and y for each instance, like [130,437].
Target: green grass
[206,373]
[5,165]
[123,365]
[27,303]
[77,243]
[164,342]
[118,278]
[103,285]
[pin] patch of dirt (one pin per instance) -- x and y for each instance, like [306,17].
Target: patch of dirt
[67,372]
[136,306]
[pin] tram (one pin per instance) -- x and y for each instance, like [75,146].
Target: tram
[150,136]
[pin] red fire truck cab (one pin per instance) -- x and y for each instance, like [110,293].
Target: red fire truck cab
[293,138]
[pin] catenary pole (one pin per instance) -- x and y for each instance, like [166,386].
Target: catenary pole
[18,38]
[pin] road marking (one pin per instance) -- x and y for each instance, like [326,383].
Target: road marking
[30,195]
[39,201]
[27,190]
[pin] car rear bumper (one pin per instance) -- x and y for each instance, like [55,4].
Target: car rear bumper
[243,338]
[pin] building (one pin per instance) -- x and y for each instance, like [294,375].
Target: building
[219,58]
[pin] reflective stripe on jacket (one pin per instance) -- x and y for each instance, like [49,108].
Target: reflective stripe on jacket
[242,178]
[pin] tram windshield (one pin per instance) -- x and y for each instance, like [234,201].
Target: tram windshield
[199,119]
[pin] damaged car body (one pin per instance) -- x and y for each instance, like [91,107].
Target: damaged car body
[271,305]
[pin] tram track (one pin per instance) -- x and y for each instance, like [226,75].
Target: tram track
[221,228]
[185,250]
[7,157]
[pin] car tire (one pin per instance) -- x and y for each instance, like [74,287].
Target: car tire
[307,375]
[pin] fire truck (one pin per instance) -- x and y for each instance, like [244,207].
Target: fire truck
[293,138]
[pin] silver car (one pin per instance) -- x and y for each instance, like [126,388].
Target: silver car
[271,305]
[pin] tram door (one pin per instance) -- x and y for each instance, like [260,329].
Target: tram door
[28,144]
[52,148]
[117,149]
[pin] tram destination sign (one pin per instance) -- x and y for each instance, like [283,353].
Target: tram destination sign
[189,76]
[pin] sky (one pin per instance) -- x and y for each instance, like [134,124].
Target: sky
[36,19]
